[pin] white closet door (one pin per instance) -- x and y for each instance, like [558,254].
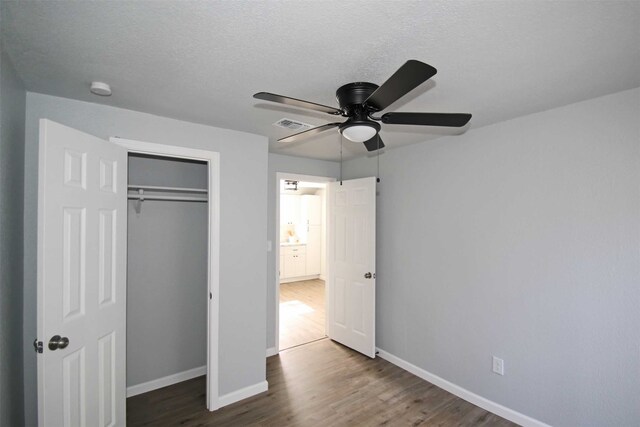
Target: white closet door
[311,209]
[82,234]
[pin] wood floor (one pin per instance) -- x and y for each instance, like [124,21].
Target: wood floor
[318,384]
[302,313]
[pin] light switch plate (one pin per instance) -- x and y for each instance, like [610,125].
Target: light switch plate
[498,365]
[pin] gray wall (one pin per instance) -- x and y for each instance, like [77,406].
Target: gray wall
[167,289]
[520,240]
[298,165]
[12,111]
[243,234]
[167,172]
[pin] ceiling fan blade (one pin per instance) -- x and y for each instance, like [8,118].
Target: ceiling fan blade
[374,143]
[301,135]
[266,96]
[411,75]
[427,119]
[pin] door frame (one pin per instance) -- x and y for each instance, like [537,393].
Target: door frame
[297,177]
[213,162]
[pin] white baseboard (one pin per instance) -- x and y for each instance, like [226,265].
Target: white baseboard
[243,393]
[462,393]
[272,351]
[134,390]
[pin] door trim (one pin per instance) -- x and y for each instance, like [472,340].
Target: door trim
[213,322]
[276,243]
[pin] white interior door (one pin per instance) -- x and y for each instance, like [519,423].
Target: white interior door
[82,230]
[351,284]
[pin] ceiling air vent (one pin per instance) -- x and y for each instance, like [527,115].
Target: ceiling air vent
[292,125]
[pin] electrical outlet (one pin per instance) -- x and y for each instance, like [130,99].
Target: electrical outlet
[498,365]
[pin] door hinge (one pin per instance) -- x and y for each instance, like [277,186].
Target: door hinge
[38,346]
[210,295]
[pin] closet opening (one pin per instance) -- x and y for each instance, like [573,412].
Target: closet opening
[300,287]
[167,269]
[172,267]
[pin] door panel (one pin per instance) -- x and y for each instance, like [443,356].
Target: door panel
[74,388]
[81,278]
[351,256]
[339,303]
[107,257]
[73,260]
[107,379]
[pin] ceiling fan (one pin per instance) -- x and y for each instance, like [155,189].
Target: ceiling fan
[359,102]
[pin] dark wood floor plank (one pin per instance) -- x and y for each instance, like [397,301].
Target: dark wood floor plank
[319,384]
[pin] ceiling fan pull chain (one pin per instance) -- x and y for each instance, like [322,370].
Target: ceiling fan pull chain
[378,159]
[341,141]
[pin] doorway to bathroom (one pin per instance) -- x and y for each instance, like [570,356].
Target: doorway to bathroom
[301,292]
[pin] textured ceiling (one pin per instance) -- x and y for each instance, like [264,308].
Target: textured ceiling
[202,61]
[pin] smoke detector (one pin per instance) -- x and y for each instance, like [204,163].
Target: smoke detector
[100,88]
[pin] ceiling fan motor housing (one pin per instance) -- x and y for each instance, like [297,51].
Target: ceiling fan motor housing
[351,98]
[352,95]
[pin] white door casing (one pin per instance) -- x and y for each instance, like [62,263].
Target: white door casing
[82,235]
[213,321]
[351,254]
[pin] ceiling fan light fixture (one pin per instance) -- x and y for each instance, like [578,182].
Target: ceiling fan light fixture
[359,132]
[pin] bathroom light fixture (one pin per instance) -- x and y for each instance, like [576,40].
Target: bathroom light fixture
[290,185]
[100,88]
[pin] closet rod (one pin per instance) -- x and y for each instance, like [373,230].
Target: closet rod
[167,189]
[172,198]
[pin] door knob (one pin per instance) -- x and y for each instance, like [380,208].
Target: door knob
[57,342]
[367,275]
